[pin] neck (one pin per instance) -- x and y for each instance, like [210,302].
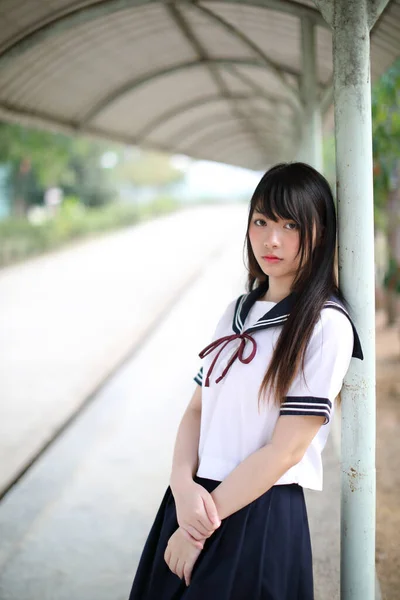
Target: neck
[278,289]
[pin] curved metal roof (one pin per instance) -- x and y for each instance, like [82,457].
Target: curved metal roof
[217,80]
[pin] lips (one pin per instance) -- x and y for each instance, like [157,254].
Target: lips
[271,257]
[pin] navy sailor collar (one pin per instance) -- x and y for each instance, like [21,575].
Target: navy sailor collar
[280,312]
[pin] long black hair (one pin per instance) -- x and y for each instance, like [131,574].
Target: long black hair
[297,192]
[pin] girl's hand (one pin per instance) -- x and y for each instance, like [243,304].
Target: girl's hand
[181,556]
[196,511]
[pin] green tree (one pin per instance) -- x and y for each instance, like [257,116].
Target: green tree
[386,151]
[37,159]
[147,168]
[93,184]
[41,159]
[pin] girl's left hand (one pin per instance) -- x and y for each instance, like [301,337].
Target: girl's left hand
[181,555]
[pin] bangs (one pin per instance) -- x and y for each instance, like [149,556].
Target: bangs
[276,200]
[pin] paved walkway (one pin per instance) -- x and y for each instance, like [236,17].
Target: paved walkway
[75,524]
[69,318]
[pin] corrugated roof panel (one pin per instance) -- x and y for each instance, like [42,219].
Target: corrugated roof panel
[129,68]
[213,38]
[209,120]
[263,79]
[98,61]
[191,120]
[278,108]
[218,139]
[233,83]
[222,136]
[20,17]
[385,39]
[262,30]
[154,98]
[239,150]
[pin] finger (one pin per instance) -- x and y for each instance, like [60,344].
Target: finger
[167,555]
[173,565]
[211,510]
[204,527]
[195,533]
[197,529]
[198,544]
[179,568]
[187,572]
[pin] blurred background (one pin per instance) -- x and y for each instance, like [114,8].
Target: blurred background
[115,262]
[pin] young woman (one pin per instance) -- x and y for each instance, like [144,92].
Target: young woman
[233,523]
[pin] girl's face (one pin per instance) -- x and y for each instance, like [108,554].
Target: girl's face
[280,238]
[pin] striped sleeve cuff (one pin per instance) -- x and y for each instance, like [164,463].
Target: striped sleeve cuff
[199,377]
[307,405]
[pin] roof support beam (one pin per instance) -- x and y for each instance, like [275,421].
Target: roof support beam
[290,7]
[259,90]
[278,71]
[137,82]
[193,104]
[311,146]
[186,29]
[326,98]
[391,38]
[61,21]
[376,9]
[50,122]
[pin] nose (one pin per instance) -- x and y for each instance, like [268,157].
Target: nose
[271,239]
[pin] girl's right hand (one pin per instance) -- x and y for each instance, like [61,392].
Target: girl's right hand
[196,512]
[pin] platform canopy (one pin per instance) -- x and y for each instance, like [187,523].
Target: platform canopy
[217,80]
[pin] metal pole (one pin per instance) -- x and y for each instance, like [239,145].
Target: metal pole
[352,96]
[311,147]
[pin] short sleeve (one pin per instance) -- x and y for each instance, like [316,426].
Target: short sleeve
[327,360]
[227,315]
[199,377]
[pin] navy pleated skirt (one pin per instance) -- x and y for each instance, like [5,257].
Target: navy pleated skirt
[261,552]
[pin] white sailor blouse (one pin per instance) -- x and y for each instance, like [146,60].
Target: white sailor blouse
[234,365]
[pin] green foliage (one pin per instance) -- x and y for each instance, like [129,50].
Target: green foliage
[93,184]
[38,160]
[41,159]
[141,168]
[386,140]
[20,239]
[386,136]
[392,277]
[44,152]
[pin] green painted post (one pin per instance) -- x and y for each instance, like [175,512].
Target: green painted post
[350,23]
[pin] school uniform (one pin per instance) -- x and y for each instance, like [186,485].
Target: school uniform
[263,551]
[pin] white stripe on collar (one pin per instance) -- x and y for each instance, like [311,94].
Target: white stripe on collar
[238,320]
[275,320]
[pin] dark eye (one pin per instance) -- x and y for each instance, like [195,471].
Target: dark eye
[259,220]
[291,226]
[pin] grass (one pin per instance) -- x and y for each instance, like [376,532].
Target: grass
[21,239]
